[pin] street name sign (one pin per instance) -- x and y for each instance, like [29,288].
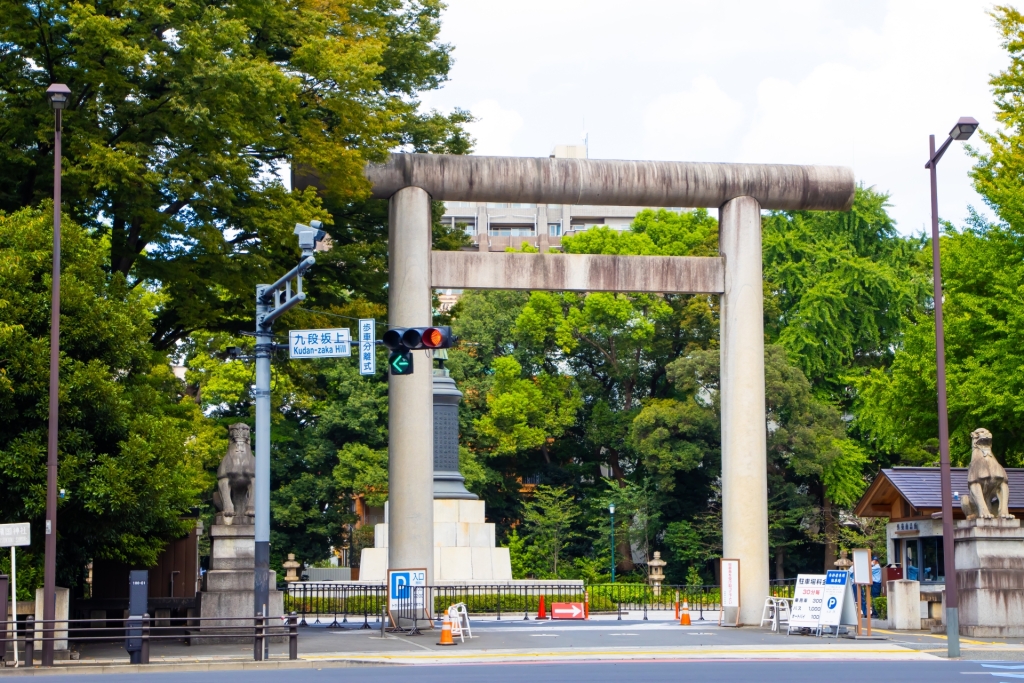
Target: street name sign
[332,343]
[567,610]
[367,340]
[15,534]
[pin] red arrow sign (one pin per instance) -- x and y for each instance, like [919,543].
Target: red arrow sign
[567,610]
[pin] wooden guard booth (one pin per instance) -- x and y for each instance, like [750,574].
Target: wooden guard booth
[911,498]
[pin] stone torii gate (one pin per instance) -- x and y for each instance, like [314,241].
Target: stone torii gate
[738,191]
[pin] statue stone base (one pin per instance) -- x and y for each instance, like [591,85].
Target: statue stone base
[990,577]
[229,584]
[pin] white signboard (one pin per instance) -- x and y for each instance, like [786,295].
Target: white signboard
[807,598]
[15,534]
[367,354]
[861,565]
[333,343]
[730,583]
[838,604]
[402,600]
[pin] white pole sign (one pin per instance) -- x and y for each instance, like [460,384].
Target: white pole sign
[861,565]
[730,583]
[333,343]
[15,534]
[367,355]
[807,600]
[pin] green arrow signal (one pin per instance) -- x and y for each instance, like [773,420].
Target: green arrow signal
[400,363]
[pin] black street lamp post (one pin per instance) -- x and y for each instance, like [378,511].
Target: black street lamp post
[58,94]
[963,129]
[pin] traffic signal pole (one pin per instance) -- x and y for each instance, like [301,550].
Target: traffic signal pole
[410,397]
[264,350]
[271,302]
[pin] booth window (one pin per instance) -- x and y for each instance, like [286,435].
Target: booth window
[923,559]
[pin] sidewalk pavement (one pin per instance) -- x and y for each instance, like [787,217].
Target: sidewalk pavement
[604,638]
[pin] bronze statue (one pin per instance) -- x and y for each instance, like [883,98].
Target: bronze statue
[235,476]
[989,495]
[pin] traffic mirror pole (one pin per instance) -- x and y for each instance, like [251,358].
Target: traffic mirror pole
[271,302]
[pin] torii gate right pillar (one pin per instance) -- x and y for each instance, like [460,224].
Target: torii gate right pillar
[744,447]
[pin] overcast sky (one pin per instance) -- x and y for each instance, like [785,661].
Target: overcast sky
[806,82]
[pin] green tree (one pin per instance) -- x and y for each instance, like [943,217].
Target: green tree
[182,112]
[984,319]
[838,286]
[549,515]
[133,449]
[524,414]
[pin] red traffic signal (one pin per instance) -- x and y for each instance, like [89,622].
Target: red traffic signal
[413,338]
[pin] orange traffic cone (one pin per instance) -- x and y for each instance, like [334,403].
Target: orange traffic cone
[446,632]
[586,605]
[542,612]
[684,616]
[677,604]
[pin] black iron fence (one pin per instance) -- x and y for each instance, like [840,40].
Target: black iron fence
[342,605]
[139,632]
[338,604]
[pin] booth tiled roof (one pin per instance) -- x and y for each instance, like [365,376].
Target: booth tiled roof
[920,485]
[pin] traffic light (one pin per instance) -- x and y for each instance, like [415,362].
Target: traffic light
[400,362]
[414,338]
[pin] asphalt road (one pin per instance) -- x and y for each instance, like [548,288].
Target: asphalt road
[610,672]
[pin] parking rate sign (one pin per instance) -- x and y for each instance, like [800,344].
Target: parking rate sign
[807,600]
[367,355]
[333,343]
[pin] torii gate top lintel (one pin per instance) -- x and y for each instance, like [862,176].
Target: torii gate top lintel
[545,180]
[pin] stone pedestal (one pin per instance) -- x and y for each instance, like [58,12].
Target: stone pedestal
[60,633]
[904,605]
[990,577]
[230,581]
[464,547]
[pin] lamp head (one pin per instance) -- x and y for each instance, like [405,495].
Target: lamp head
[964,128]
[611,508]
[59,95]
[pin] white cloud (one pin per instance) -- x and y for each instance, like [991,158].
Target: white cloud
[690,124]
[495,128]
[797,81]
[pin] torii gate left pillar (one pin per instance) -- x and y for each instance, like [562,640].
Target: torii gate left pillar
[739,191]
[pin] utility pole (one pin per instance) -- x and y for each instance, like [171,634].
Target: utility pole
[271,302]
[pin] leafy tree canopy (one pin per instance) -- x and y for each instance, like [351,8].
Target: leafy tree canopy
[182,113]
[133,450]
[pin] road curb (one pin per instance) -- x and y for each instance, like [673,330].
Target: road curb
[176,667]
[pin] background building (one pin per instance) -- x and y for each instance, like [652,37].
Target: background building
[498,226]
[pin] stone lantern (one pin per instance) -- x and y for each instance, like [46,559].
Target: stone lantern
[843,563]
[657,575]
[291,568]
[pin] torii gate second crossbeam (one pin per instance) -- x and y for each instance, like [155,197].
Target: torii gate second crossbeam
[738,191]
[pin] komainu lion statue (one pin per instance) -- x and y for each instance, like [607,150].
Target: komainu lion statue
[989,495]
[235,476]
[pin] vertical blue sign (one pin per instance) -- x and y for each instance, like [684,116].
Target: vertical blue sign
[367,352]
